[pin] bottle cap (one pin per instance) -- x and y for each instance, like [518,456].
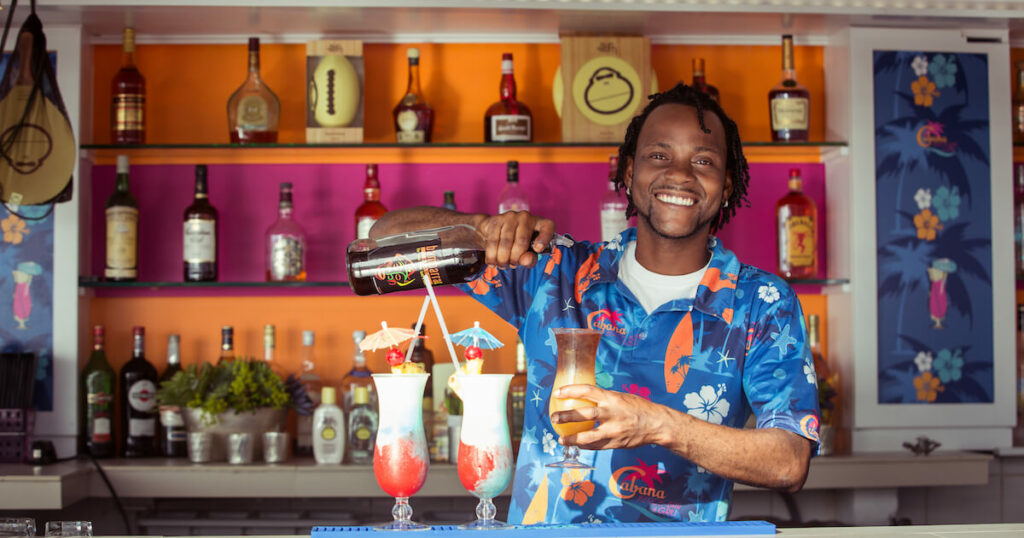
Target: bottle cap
[286,185]
[122,164]
[328,396]
[254,44]
[360,395]
[97,330]
[139,331]
[307,338]
[698,66]
[413,53]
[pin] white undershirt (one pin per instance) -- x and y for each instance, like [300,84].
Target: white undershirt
[653,289]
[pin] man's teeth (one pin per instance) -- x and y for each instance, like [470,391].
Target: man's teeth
[676,200]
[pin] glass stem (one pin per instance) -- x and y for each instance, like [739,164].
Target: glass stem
[485,510]
[402,511]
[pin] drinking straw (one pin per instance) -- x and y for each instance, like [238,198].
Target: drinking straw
[419,323]
[440,321]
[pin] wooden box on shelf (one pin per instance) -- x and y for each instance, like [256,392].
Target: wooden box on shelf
[335,77]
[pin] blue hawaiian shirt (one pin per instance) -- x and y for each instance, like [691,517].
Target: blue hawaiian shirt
[738,348]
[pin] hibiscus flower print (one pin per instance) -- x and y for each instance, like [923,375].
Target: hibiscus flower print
[768,293]
[923,360]
[707,405]
[549,444]
[923,197]
[947,203]
[948,365]
[637,390]
[924,91]
[920,65]
[928,387]
[809,372]
[927,225]
[943,69]
[575,488]
[14,229]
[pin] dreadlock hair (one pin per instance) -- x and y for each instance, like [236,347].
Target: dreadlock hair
[735,164]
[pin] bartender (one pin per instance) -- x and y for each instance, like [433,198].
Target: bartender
[694,341]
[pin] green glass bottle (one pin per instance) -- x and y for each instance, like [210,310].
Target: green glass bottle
[97,397]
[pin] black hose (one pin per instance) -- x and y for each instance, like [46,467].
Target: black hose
[113,494]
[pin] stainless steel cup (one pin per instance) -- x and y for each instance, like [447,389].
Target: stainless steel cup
[275,447]
[200,447]
[240,448]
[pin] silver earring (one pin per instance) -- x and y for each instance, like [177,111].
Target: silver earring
[627,191]
[726,204]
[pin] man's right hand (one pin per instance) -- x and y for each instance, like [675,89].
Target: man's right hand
[510,240]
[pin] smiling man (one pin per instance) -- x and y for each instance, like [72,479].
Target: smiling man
[694,341]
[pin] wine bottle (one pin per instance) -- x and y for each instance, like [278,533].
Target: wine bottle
[172,424]
[98,385]
[789,102]
[122,216]
[613,205]
[253,110]
[371,208]
[311,382]
[128,97]
[797,237]
[508,120]
[449,201]
[200,234]
[414,118]
[512,197]
[285,243]
[517,398]
[138,401]
[700,81]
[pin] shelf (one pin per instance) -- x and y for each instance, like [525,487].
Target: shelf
[818,281]
[469,152]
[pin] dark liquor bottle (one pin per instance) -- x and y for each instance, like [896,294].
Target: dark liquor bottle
[422,355]
[128,98]
[98,385]
[122,216]
[449,201]
[227,344]
[1018,431]
[311,381]
[172,423]
[789,102]
[200,234]
[285,243]
[1018,105]
[414,118]
[508,120]
[517,398]
[138,401]
[1018,221]
[700,81]
[797,225]
[828,400]
[371,208]
[253,110]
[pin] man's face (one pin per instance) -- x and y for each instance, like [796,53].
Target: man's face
[677,177]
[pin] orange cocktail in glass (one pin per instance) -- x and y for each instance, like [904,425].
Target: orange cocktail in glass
[577,350]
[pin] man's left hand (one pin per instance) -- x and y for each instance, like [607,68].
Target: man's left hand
[624,420]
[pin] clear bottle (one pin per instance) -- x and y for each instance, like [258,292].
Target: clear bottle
[371,208]
[98,382]
[128,97]
[797,232]
[613,205]
[1018,221]
[362,427]
[285,243]
[199,250]
[173,435]
[789,102]
[508,120]
[414,118]
[1018,105]
[328,436]
[358,376]
[253,110]
[512,197]
[138,401]
[449,201]
[122,216]
[700,81]
[517,390]
[311,382]
[227,344]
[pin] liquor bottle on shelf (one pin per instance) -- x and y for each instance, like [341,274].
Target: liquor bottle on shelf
[1018,105]
[138,401]
[285,243]
[128,97]
[1018,431]
[200,234]
[789,102]
[828,399]
[253,110]
[700,81]
[98,385]
[269,343]
[508,120]
[328,437]
[449,201]
[1018,221]
[512,197]
[122,216]
[422,355]
[517,398]
[172,424]
[311,382]
[227,344]
[358,376]
[362,427]
[613,205]
[797,232]
[371,208]
[414,118]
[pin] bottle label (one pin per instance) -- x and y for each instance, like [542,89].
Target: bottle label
[363,226]
[200,242]
[252,113]
[408,128]
[790,113]
[800,241]
[122,242]
[285,257]
[613,222]
[101,429]
[511,128]
[141,427]
[1018,119]
[171,417]
[401,266]
[128,111]
[99,398]
[513,205]
[142,395]
[363,434]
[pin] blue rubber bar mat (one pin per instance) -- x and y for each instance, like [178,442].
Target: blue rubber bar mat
[727,528]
